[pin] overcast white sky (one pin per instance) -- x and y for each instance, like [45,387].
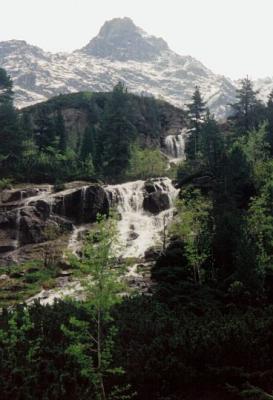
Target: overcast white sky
[232,37]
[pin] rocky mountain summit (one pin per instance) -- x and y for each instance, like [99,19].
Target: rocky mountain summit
[121,40]
[120,52]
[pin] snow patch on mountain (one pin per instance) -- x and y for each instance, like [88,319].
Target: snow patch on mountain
[120,52]
[264,87]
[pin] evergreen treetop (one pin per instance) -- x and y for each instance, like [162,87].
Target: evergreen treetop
[247,110]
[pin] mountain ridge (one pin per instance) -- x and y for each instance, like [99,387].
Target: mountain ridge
[120,52]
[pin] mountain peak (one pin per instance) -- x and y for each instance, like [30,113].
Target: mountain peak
[118,26]
[120,39]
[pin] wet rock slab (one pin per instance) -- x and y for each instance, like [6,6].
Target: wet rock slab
[156,202]
[29,216]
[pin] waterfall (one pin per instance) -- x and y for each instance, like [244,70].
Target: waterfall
[175,145]
[17,228]
[139,230]
[75,241]
[83,201]
[50,202]
[17,224]
[63,206]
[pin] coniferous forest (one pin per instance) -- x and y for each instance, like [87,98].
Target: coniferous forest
[205,330]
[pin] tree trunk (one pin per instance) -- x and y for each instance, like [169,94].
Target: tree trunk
[101,383]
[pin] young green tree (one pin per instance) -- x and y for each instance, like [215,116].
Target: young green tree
[93,349]
[193,225]
[256,149]
[29,159]
[146,163]
[260,225]
[19,355]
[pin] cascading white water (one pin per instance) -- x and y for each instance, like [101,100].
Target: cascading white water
[175,145]
[63,205]
[139,230]
[17,228]
[17,223]
[83,200]
[75,241]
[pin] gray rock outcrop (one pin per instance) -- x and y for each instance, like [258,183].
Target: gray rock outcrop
[32,216]
[156,202]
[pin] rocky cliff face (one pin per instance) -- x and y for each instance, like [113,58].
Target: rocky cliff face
[32,216]
[120,52]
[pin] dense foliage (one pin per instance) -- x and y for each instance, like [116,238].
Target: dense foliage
[167,352]
[228,182]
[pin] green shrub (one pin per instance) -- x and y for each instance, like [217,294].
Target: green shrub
[5,183]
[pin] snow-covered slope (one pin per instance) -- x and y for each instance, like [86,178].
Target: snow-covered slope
[264,87]
[121,51]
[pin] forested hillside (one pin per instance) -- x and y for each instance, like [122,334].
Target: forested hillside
[203,330]
[82,135]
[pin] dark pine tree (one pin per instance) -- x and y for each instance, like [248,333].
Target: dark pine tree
[270,120]
[211,143]
[88,143]
[61,132]
[46,130]
[196,112]
[248,111]
[10,135]
[117,134]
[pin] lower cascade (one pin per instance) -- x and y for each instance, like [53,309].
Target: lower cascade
[144,208]
[138,228]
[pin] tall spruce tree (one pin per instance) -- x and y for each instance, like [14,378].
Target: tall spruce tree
[270,120]
[196,112]
[46,130]
[211,143]
[10,137]
[60,130]
[88,143]
[117,134]
[248,111]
